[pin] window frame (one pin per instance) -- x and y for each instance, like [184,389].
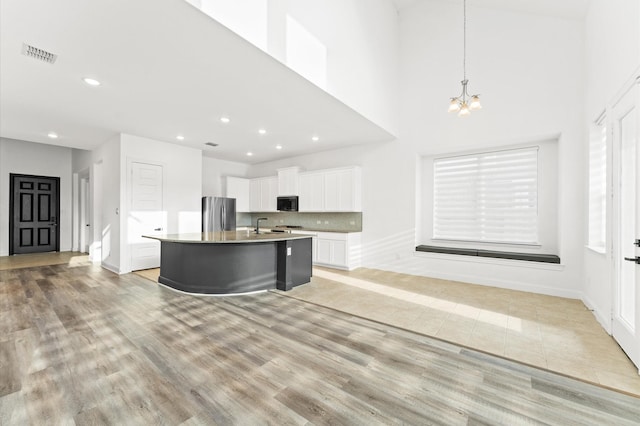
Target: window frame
[598,185]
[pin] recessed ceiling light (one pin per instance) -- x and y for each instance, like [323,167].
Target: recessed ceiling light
[278,146]
[262,131]
[225,120]
[249,154]
[52,135]
[315,138]
[180,137]
[91,81]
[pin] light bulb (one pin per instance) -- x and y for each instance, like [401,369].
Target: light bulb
[475,103]
[454,106]
[464,110]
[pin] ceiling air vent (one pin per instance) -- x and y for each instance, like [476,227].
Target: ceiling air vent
[211,144]
[39,54]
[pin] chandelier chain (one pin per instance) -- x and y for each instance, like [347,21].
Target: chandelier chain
[465,103]
[464,41]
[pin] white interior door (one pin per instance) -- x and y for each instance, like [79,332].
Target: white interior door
[146,215]
[85,209]
[626,309]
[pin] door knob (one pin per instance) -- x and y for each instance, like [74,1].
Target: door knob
[158,229]
[633,259]
[637,243]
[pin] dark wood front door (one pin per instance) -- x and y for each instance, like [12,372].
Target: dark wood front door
[34,211]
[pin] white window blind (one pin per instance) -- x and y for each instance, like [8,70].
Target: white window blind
[598,186]
[487,197]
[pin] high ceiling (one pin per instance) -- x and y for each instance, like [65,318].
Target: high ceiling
[165,70]
[163,77]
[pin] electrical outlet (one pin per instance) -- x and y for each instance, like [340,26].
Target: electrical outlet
[353,222]
[326,222]
[318,222]
[281,220]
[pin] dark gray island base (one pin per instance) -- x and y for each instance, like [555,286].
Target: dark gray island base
[233,262]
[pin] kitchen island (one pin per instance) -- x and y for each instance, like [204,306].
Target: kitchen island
[234,262]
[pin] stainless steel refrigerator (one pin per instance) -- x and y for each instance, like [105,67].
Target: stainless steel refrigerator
[218,214]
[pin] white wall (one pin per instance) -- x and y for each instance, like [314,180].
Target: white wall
[612,33]
[35,159]
[106,201]
[523,65]
[182,186]
[213,172]
[360,36]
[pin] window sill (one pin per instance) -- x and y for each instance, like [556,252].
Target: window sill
[599,250]
[476,254]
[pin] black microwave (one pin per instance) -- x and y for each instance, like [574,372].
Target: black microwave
[288,203]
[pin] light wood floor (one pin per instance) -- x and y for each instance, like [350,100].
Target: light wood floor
[553,333]
[81,345]
[70,258]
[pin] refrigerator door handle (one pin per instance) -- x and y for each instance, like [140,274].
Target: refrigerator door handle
[224,225]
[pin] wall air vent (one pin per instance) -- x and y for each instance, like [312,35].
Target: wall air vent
[39,54]
[211,144]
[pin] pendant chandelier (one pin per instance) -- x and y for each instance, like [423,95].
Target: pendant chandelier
[464,103]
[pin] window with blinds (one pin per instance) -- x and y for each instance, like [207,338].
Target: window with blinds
[487,197]
[598,187]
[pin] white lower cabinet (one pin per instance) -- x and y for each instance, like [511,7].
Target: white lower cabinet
[335,249]
[332,252]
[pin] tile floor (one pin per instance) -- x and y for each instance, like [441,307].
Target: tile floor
[555,333]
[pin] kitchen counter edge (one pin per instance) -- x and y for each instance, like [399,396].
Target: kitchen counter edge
[226,237]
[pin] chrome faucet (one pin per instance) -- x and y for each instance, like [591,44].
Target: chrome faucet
[258,223]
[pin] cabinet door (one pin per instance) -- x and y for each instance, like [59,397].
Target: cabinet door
[331,191]
[288,181]
[339,191]
[324,251]
[239,188]
[255,195]
[264,195]
[338,251]
[272,194]
[345,195]
[311,197]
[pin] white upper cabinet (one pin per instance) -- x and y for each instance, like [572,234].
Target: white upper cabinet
[288,181]
[239,188]
[263,194]
[255,195]
[334,190]
[311,197]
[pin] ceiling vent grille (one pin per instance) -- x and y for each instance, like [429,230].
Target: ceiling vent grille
[39,54]
[211,144]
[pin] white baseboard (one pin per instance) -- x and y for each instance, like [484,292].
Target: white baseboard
[110,267]
[514,285]
[602,317]
[489,282]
